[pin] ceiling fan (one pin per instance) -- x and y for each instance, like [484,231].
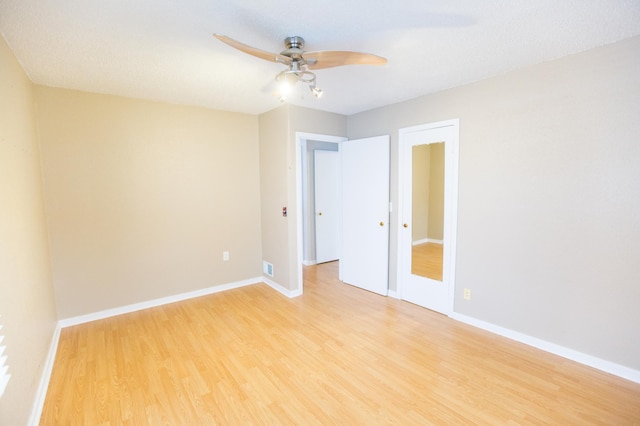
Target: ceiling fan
[299,62]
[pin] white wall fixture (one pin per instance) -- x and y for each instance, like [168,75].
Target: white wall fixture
[267,268]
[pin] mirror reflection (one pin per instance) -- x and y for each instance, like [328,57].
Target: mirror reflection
[428,210]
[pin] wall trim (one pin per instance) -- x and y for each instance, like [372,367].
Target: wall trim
[393,293]
[427,240]
[43,385]
[280,289]
[309,262]
[579,357]
[81,319]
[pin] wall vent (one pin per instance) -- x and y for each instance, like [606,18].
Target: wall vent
[267,268]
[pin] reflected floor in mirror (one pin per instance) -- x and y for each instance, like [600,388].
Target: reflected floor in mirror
[426,260]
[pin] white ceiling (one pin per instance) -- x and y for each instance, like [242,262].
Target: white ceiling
[164,50]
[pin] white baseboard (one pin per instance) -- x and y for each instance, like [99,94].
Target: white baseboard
[280,289]
[156,302]
[394,294]
[589,360]
[309,262]
[43,385]
[426,240]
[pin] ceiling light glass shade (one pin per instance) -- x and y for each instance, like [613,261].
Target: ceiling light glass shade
[288,79]
[285,87]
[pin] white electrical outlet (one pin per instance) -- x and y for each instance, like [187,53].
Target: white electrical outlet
[225,255]
[467,294]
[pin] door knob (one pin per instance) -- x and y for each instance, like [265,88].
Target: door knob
[320,214]
[405,225]
[381,223]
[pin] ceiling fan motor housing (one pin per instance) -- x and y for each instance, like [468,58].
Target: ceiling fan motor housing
[294,42]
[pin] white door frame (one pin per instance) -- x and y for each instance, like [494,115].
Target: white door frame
[301,149]
[451,195]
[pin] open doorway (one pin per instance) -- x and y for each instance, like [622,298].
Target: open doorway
[364,209]
[306,145]
[320,202]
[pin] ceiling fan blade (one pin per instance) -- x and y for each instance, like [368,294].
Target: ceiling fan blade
[337,58]
[262,54]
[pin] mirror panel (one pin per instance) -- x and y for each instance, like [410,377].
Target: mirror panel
[427,210]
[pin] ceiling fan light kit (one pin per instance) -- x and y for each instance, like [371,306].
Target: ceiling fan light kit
[299,62]
[296,73]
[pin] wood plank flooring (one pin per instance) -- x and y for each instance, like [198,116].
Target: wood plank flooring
[426,260]
[336,355]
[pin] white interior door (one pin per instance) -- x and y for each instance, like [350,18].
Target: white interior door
[431,293]
[327,199]
[364,260]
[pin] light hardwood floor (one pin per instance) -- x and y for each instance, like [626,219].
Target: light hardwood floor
[336,355]
[426,260]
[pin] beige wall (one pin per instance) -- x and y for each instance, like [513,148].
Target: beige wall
[278,182]
[142,198]
[436,191]
[274,137]
[26,293]
[420,186]
[549,205]
[427,203]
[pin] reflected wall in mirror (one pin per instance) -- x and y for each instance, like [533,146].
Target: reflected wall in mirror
[427,210]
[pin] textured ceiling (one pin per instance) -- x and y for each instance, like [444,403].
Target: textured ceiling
[164,49]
